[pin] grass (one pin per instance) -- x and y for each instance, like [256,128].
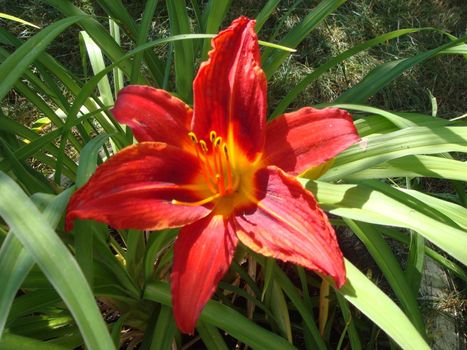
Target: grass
[354,22]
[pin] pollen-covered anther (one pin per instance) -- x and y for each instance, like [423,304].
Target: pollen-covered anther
[193,137]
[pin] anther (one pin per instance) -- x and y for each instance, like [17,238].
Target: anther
[224,148]
[212,136]
[193,137]
[203,145]
[217,142]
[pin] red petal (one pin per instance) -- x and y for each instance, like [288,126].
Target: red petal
[134,189]
[230,89]
[288,224]
[202,255]
[153,114]
[308,137]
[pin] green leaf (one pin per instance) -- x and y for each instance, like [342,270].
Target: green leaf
[15,342]
[142,36]
[88,159]
[273,59]
[184,59]
[223,317]
[95,30]
[332,62]
[16,19]
[213,15]
[14,66]
[376,149]
[415,166]
[164,331]
[382,75]
[383,205]
[38,237]
[210,336]
[97,63]
[379,308]
[265,13]
[16,262]
[392,271]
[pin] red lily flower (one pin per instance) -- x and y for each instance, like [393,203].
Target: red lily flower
[220,172]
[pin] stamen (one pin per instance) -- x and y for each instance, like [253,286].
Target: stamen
[197,203]
[205,174]
[193,137]
[203,145]
[217,141]
[212,136]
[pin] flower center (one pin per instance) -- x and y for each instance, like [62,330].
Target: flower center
[217,168]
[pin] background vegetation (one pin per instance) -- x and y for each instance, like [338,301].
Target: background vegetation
[397,199]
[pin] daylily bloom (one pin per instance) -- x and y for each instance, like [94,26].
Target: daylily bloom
[219,172]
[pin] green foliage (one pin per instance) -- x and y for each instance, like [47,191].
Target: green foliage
[50,279]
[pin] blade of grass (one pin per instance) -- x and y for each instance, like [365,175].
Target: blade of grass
[95,30]
[210,336]
[387,72]
[354,338]
[415,166]
[165,330]
[15,342]
[392,271]
[376,149]
[184,60]
[14,66]
[212,18]
[17,19]
[16,262]
[380,204]
[265,13]
[223,317]
[142,36]
[97,63]
[379,308]
[307,314]
[38,237]
[273,59]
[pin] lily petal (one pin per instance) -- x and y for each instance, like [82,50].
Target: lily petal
[288,224]
[230,89]
[153,114]
[308,137]
[135,189]
[202,255]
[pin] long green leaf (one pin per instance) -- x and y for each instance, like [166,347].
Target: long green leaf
[332,62]
[15,342]
[392,271]
[16,19]
[16,262]
[184,59]
[415,166]
[38,237]
[379,308]
[380,204]
[265,13]
[213,15]
[376,149]
[223,317]
[273,59]
[387,72]
[143,32]
[95,30]
[14,66]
